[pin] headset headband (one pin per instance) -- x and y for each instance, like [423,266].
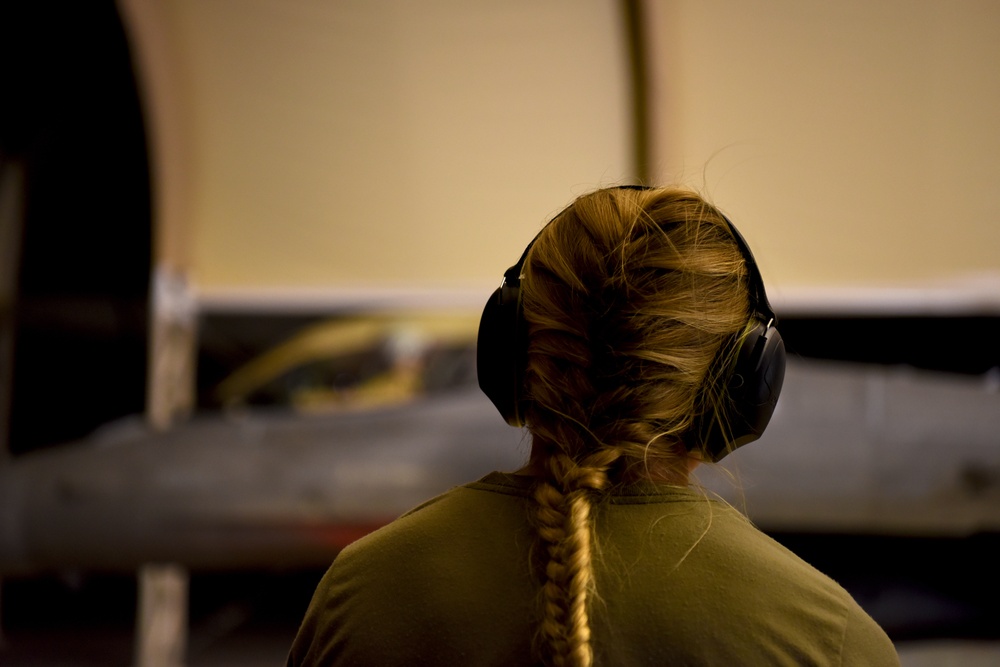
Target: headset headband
[759,304]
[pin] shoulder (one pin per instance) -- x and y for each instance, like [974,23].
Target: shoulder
[698,569]
[474,511]
[400,594]
[864,642]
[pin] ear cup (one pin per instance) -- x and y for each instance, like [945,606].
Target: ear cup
[750,395]
[500,352]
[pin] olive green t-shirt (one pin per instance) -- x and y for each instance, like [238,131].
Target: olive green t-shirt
[681,580]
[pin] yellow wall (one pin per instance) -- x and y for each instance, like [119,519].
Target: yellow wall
[856,143]
[343,148]
[390,144]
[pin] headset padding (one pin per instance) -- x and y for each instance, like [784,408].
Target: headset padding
[752,392]
[500,353]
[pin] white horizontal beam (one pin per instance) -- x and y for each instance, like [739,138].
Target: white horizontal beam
[978,295]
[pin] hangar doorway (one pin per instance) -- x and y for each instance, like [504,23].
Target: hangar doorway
[75,225]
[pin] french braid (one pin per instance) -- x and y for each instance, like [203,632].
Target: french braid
[628,296]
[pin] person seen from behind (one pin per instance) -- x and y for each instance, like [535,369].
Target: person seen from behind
[634,341]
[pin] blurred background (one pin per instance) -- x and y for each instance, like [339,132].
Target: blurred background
[244,245]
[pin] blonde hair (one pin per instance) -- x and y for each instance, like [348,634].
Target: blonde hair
[628,297]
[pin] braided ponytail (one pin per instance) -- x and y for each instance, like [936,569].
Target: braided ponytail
[628,296]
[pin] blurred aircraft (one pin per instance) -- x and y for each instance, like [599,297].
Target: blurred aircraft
[854,448]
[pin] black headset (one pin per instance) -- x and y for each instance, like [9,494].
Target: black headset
[749,389]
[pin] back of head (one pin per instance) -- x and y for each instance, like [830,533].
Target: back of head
[633,301]
[630,298]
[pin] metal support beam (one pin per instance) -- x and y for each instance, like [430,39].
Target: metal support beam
[161,639]
[635,39]
[11,226]
[173,342]
[161,627]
